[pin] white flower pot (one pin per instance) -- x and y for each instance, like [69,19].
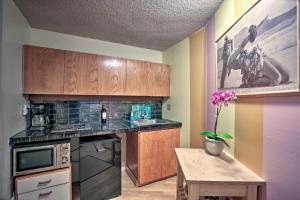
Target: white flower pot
[213,147]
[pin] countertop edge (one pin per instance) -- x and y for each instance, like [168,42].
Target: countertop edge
[14,140]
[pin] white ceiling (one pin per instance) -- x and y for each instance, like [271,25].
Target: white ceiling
[152,24]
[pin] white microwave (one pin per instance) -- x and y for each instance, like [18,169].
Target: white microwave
[38,158]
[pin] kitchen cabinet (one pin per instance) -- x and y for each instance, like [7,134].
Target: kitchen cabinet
[54,184]
[58,72]
[132,152]
[43,70]
[150,160]
[147,79]
[160,79]
[170,141]
[151,155]
[137,78]
[81,73]
[112,76]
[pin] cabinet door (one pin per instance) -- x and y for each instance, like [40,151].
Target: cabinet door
[132,152]
[81,74]
[112,76]
[43,70]
[147,79]
[170,141]
[138,82]
[159,79]
[149,157]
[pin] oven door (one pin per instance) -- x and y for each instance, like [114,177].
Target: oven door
[34,159]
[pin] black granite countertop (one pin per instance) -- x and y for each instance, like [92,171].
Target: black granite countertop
[112,126]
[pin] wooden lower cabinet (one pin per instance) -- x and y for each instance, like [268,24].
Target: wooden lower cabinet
[150,160]
[151,155]
[132,152]
[169,143]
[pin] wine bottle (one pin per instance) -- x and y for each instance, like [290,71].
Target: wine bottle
[103,115]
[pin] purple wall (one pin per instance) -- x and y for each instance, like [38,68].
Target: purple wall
[282,147]
[210,72]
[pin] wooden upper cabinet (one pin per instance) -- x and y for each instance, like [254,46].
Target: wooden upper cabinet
[59,72]
[43,70]
[81,74]
[112,76]
[137,83]
[147,79]
[160,79]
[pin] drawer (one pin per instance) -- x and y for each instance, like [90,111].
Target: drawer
[42,180]
[60,192]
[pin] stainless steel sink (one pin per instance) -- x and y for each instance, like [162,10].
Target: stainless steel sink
[147,122]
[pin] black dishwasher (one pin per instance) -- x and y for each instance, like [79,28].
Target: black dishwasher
[100,167]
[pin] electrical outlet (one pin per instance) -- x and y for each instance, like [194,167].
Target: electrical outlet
[169,107]
[24,110]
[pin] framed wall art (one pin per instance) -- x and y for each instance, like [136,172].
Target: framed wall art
[259,54]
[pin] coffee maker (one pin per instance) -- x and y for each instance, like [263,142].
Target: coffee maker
[39,118]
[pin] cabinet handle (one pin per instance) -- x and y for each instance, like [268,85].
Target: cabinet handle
[43,195]
[44,182]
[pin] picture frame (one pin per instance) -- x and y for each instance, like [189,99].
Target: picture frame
[266,63]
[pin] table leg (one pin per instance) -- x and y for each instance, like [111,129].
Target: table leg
[252,192]
[179,182]
[194,192]
[261,192]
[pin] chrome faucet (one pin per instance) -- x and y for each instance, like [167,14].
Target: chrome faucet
[143,115]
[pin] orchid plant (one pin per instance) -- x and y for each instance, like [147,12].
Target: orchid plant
[219,99]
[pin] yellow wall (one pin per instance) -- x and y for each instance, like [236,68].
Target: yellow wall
[245,117]
[249,118]
[242,6]
[197,83]
[178,56]
[187,60]
[225,17]
[249,133]
[227,124]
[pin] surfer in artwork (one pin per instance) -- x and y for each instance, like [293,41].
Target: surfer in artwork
[257,68]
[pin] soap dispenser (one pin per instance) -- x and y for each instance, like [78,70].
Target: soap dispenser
[131,117]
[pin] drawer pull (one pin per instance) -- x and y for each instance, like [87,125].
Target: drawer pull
[44,182]
[43,195]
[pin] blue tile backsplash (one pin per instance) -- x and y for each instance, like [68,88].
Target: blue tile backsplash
[141,109]
[88,111]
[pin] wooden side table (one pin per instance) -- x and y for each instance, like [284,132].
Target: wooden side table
[200,174]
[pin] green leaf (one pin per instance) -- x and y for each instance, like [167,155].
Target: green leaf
[208,133]
[221,139]
[224,135]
